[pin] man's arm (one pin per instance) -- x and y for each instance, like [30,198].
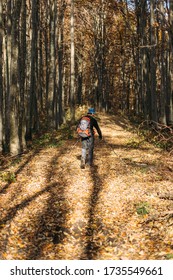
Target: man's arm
[95,124]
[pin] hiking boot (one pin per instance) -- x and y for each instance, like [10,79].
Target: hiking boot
[89,164]
[82,163]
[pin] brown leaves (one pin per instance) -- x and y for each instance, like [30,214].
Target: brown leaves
[55,210]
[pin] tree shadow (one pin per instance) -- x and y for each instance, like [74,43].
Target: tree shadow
[51,229]
[91,248]
[12,213]
[52,222]
[36,152]
[49,225]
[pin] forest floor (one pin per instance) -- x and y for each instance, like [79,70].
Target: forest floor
[120,209]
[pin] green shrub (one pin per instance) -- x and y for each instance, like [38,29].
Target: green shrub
[9,177]
[142,208]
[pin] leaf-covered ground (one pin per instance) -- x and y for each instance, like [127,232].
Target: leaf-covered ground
[121,208]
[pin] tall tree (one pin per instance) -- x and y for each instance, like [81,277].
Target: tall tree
[1,79]
[163,57]
[72,64]
[14,82]
[62,8]
[22,76]
[32,120]
[169,107]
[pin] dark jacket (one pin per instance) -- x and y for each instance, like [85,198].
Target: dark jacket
[94,124]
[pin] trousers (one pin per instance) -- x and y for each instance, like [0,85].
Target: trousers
[88,146]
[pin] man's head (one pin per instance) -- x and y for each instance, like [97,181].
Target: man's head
[91,111]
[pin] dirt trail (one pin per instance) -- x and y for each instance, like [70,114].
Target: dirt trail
[115,210]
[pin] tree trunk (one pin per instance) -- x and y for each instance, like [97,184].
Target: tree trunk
[153,113]
[72,67]
[60,60]
[14,83]
[32,98]
[169,103]
[55,69]
[22,70]
[163,68]
[51,66]
[7,62]
[1,80]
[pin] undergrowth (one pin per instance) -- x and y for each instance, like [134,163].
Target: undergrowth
[161,136]
[142,208]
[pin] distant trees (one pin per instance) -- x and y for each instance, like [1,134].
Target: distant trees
[31,69]
[153,60]
[56,54]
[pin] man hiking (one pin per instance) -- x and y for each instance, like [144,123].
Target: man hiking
[85,130]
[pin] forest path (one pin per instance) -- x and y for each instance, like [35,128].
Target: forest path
[115,210]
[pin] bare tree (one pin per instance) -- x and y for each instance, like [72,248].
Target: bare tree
[14,82]
[72,65]
[1,79]
[170,68]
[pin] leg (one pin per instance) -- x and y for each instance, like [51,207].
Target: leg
[90,150]
[84,152]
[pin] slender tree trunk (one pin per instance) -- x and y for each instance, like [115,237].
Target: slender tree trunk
[137,59]
[153,113]
[1,79]
[55,74]
[169,103]
[22,69]
[60,60]
[32,104]
[79,82]
[145,89]
[14,83]
[52,69]
[47,51]
[40,61]
[162,68]
[72,68]
[103,59]
[7,55]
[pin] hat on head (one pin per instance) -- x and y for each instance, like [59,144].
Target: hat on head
[91,111]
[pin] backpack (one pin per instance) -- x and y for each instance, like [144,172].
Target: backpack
[84,129]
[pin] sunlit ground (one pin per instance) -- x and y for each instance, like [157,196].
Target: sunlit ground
[55,210]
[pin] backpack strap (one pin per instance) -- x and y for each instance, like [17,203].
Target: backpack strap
[86,118]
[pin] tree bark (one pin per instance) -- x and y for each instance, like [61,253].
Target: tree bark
[14,82]
[153,113]
[1,79]
[60,59]
[72,65]
[163,87]
[22,71]
[32,123]
[169,105]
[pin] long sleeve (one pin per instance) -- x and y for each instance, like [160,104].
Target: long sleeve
[95,124]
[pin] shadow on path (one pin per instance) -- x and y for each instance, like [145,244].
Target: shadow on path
[36,152]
